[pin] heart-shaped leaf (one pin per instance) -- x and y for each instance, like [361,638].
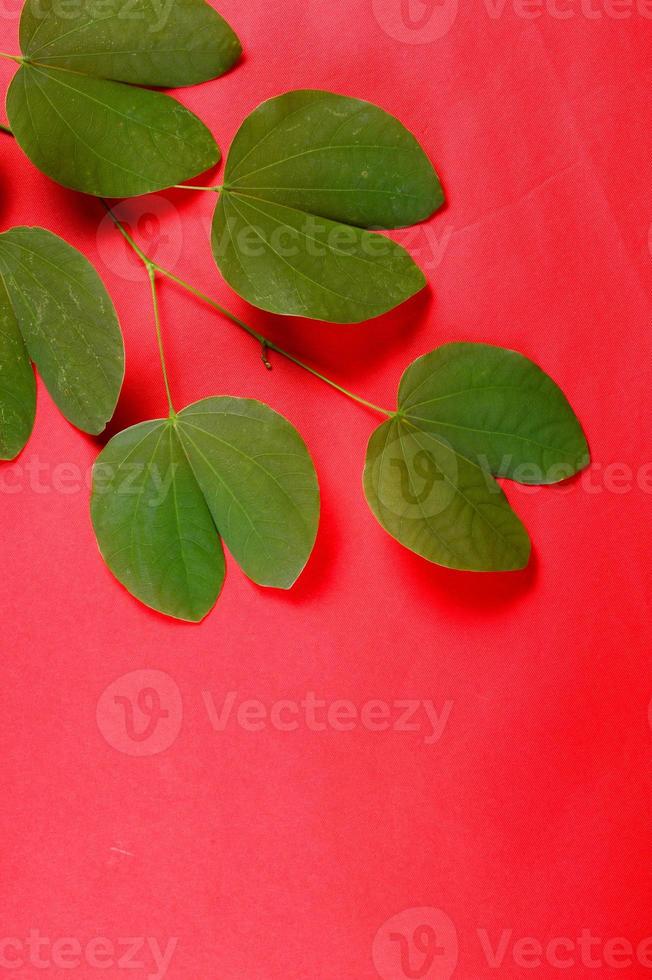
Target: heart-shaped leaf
[307,173]
[54,308]
[164,492]
[466,411]
[78,121]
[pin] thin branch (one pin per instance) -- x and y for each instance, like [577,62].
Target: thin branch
[266,345]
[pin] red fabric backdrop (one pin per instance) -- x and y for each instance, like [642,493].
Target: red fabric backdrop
[275,854]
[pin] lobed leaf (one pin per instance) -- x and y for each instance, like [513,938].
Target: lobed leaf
[56,310]
[308,174]
[80,123]
[165,492]
[466,411]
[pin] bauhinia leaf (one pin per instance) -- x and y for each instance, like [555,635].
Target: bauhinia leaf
[17,385]
[307,173]
[143,42]
[499,409]
[152,524]
[439,504]
[466,411]
[165,491]
[54,300]
[259,482]
[78,121]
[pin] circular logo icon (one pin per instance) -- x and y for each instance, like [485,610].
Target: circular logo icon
[416,21]
[155,224]
[416,944]
[416,479]
[140,713]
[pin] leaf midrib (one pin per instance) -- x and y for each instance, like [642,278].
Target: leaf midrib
[252,459]
[494,432]
[324,149]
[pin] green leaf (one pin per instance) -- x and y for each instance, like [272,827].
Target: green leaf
[144,42]
[307,173]
[17,385]
[259,482]
[223,466]
[466,411]
[499,409]
[152,524]
[78,121]
[104,137]
[68,325]
[439,504]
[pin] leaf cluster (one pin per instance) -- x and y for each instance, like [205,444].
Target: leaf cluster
[311,181]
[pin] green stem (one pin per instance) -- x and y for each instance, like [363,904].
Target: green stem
[268,344]
[125,234]
[12,57]
[196,187]
[151,271]
[265,344]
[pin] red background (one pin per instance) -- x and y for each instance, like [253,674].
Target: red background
[276,855]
